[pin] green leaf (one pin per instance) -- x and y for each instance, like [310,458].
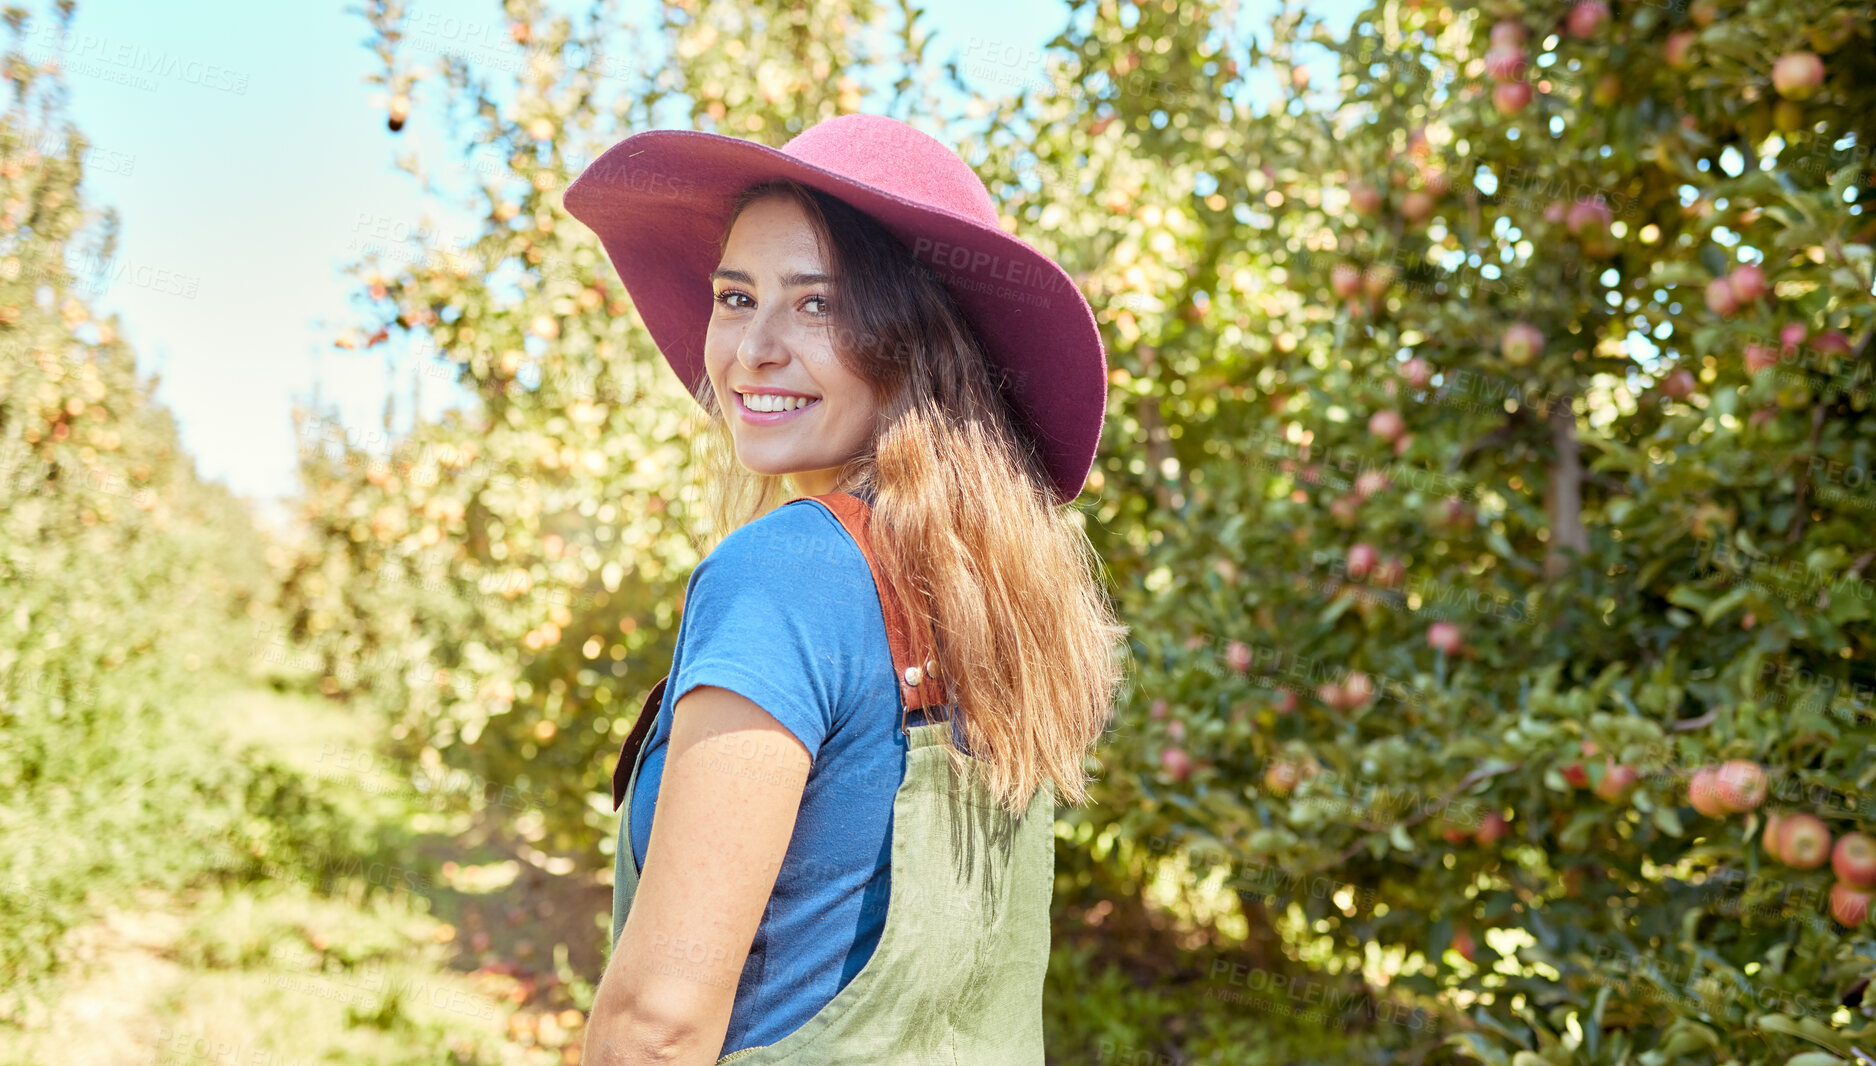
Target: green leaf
[1592,1033]
[1475,1045]
[1668,820]
[1439,938]
[1575,836]
[1721,607]
[1690,597]
[1804,1029]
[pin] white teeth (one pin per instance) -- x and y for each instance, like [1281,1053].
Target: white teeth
[769,403]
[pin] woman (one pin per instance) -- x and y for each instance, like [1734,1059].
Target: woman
[837,837]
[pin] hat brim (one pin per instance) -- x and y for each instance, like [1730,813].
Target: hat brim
[659,200]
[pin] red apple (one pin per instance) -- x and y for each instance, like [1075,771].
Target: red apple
[1511,97]
[1769,838]
[1790,336]
[1454,834]
[1462,943]
[1703,792]
[1445,637]
[1760,357]
[1576,773]
[1492,828]
[1418,372]
[1176,763]
[1238,656]
[1417,205]
[1832,342]
[1357,690]
[1747,283]
[1703,12]
[1387,425]
[1522,343]
[1330,694]
[1678,385]
[1849,904]
[1361,559]
[1364,198]
[1508,33]
[1369,482]
[1286,703]
[1617,779]
[1679,51]
[1282,777]
[1402,443]
[1376,279]
[1853,860]
[1590,214]
[1586,18]
[1506,62]
[1797,75]
[1345,279]
[1720,298]
[1741,785]
[1803,842]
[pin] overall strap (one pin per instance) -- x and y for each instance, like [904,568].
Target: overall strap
[914,654]
[634,745]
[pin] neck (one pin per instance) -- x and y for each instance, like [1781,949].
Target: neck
[816,482]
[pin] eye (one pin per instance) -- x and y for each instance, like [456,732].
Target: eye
[819,300]
[728,297]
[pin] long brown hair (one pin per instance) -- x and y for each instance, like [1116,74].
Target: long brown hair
[963,522]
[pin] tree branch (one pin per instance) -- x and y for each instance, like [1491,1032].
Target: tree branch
[1799,512]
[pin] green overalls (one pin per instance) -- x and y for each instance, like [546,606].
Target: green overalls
[957,975]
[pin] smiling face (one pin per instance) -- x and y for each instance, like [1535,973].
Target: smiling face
[792,407]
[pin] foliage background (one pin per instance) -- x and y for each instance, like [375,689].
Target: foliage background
[1674,568]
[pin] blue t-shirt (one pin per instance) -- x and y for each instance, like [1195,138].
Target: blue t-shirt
[784,612]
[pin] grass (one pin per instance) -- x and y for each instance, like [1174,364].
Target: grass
[403,930]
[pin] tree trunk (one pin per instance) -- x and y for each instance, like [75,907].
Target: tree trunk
[1563,497]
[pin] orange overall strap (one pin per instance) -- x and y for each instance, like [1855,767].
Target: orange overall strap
[914,655]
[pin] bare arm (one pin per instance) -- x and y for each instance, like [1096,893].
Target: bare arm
[731,790]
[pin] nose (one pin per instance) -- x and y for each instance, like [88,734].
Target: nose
[761,343]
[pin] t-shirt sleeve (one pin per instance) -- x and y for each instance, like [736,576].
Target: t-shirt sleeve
[775,614]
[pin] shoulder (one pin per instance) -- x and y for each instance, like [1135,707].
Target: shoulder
[799,544]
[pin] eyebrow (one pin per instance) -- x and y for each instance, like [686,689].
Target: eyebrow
[789,280]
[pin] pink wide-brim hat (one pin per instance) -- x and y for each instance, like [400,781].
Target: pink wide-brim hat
[660,200]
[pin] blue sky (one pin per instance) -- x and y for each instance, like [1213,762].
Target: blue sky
[250,163]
